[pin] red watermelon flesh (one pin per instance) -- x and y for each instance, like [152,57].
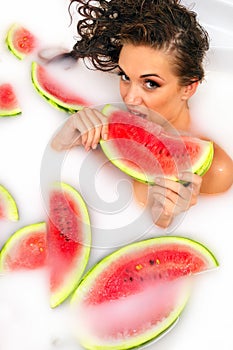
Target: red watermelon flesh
[144,150]
[30,254]
[68,241]
[8,101]
[26,249]
[20,41]
[165,263]
[24,41]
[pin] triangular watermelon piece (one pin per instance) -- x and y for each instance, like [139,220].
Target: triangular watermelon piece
[69,240]
[25,249]
[20,41]
[144,150]
[54,91]
[9,105]
[137,293]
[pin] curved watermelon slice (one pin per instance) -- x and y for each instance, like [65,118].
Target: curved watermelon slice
[136,293]
[20,41]
[143,150]
[8,206]
[9,105]
[25,249]
[54,92]
[69,240]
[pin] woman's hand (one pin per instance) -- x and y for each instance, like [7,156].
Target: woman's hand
[169,198]
[85,127]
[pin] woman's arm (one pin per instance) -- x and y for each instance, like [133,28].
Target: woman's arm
[83,128]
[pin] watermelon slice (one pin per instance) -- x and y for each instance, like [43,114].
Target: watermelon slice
[143,150]
[69,240]
[8,206]
[137,292]
[55,92]
[9,105]
[20,41]
[25,249]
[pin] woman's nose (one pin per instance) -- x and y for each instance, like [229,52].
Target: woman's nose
[132,96]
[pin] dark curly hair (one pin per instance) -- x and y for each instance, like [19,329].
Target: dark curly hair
[104,27]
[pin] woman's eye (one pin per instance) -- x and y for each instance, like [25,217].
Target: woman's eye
[151,84]
[123,76]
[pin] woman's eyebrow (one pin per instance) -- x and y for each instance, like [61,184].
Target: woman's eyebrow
[143,75]
[151,75]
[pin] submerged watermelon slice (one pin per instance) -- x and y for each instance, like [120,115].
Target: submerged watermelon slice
[8,206]
[9,105]
[25,249]
[54,92]
[69,240]
[136,293]
[20,41]
[144,150]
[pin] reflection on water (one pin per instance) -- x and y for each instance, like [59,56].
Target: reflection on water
[26,322]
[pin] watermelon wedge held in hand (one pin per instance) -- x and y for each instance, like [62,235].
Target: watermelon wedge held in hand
[9,105]
[8,206]
[143,150]
[69,240]
[25,249]
[20,41]
[137,293]
[54,91]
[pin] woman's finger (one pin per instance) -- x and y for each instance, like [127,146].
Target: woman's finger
[170,207]
[172,189]
[93,121]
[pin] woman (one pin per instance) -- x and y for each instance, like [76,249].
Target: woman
[157,48]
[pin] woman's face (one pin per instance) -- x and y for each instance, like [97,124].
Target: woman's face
[147,80]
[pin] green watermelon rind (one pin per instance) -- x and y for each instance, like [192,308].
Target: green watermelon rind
[204,167]
[9,203]
[10,44]
[87,281]
[199,168]
[55,102]
[16,237]
[10,113]
[71,281]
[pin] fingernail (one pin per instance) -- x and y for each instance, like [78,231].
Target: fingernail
[105,137]
[159,180]
[94,146]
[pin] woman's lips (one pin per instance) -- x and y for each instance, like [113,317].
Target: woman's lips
[137,113]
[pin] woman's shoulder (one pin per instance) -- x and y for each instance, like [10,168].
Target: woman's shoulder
[219,178]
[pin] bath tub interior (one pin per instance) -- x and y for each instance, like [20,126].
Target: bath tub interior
[26,321]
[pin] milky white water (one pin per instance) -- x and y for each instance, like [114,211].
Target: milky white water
[27,164]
